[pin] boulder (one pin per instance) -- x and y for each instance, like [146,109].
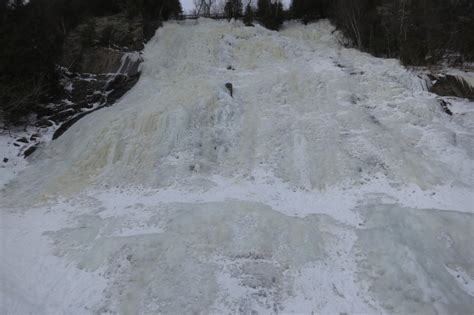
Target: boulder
[450,85]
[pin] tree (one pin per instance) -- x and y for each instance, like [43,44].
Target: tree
[3,10]
[270,14]
[31,43]
[233,9]
[416,31]
[309,10]
[248,15]
[203,7]
[32,34]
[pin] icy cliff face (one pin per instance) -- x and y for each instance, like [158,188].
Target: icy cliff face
[304,109]
[298,193]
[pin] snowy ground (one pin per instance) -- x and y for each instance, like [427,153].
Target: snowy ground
[330,183]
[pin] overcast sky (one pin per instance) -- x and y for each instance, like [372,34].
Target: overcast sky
[188,4]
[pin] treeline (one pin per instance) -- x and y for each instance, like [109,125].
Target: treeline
[31,38]
[418,32]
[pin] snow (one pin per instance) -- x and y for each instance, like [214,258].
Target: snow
[11,150]
[331,182]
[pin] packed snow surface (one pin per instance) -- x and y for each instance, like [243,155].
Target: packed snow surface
[331,182]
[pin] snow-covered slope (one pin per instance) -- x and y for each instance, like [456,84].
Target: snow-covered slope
[330,182]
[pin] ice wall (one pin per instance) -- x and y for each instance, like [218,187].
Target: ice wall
[304,109]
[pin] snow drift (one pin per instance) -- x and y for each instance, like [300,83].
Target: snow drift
[303,192]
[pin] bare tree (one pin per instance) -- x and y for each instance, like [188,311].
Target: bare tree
[218,7]
[203,7]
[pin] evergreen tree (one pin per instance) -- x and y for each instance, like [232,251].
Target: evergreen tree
[3,10]
[233,9]
[270,14]
[248,15]
[309,10]
[417,32]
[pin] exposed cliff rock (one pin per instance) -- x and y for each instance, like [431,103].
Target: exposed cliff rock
[451,85]
[101,62]
[98,45]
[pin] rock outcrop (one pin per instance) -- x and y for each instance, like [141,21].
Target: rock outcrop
[101,62]
[451,85]
[98,45]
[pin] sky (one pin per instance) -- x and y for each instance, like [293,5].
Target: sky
[188,4]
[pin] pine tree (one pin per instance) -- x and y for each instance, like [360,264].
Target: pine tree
[233,9]
[309,10]
[271,14]
[248,16]
[3,10]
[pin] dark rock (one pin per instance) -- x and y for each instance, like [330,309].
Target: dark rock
[450,85]
[16,144]
[85,87]
[43,111]
[445,106]
[66,125]
[229,87]
[83,105]
[44,123]
[149,29]
[119,86]
[95,97]
[99,60]
[23,140]
[29,151]
[110,31]
[101,69]
[5,160]
[63,115]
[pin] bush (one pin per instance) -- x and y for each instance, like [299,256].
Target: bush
[248,15]
[270,14]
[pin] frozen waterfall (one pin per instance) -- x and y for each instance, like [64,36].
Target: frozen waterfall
[330,182]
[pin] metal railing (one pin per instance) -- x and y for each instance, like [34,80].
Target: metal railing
[207,16]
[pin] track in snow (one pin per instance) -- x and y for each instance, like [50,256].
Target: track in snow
[331,183]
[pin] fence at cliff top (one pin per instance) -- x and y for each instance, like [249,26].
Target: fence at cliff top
[197,16]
